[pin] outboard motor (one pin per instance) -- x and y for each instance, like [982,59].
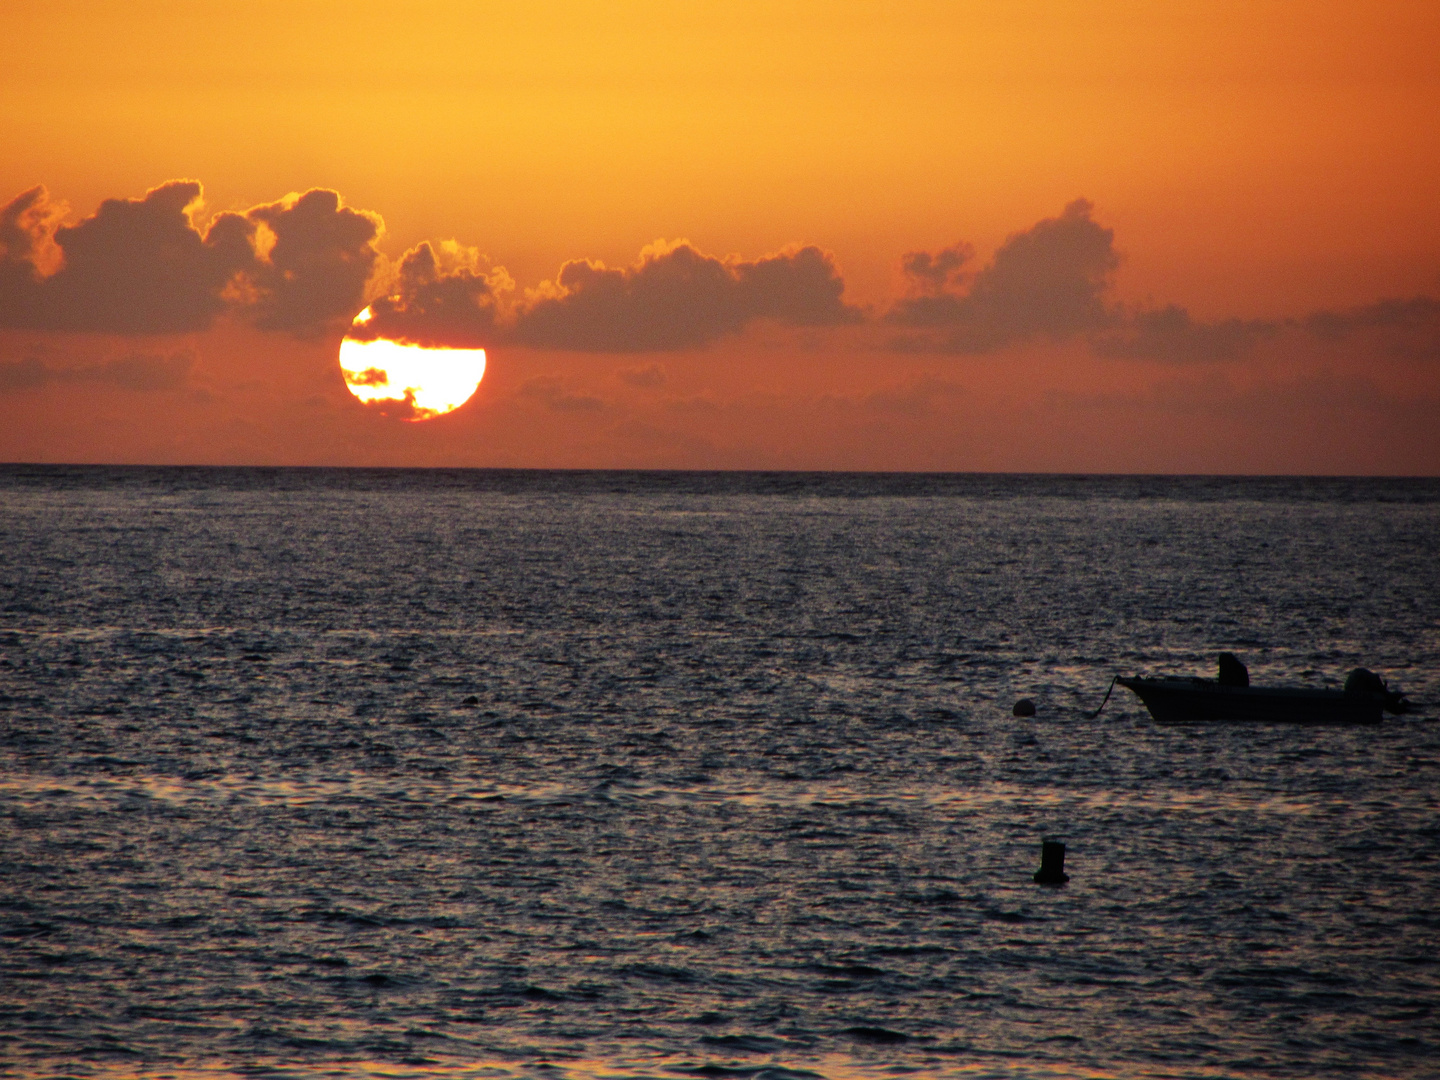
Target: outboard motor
[1364,681]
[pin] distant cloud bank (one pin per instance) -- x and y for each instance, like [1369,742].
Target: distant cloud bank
[134,371]
[305,264]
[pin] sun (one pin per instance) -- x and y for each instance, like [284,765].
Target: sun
[413,382]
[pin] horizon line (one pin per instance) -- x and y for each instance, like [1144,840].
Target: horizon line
[623,470]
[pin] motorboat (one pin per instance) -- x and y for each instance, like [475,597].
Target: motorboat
[1230,697]
[1192,700]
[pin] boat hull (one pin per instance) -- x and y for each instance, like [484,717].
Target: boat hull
[1187,701]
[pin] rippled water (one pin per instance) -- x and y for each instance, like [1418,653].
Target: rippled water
[540,774]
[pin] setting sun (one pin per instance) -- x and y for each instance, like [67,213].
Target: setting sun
[410,381]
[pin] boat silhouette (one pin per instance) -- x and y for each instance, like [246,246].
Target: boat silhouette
[1189,699]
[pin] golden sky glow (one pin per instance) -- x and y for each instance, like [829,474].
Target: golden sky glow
[1265,172]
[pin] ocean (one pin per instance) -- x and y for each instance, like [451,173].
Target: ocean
[411,773]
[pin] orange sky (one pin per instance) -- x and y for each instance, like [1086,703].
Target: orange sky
[1270,168]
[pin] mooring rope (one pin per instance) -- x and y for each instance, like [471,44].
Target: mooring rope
[1093,715]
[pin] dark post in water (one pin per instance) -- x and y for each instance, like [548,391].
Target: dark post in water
[1052,864]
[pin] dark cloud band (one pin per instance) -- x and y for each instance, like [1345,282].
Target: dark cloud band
[305,264]
[142,266]
[1169,333]
[140,372]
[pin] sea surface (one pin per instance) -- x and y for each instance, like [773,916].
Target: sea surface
[315,773]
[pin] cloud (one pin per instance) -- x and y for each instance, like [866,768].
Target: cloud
[444,300]
[27,229]
[312,274]
[143,266]
[556,395]
[645,377]
[1169,333]
[1048,281]
[134,266]
[1217,395]
[915,398]
[933,274]
[134,371]
[1418,312]
[1408,329]
[307,263]
[675,297]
